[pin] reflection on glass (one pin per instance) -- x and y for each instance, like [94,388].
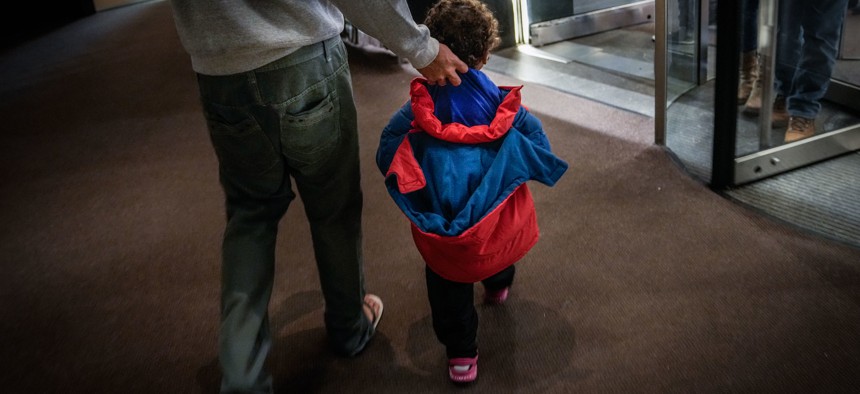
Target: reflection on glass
[681,29]
[807,45]
[689,113]
[807,41]
[847,67]
[758,26]
[786,62]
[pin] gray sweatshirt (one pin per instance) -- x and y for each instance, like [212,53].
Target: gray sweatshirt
[232,36]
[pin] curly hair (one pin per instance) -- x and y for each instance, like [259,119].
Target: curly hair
[468,27]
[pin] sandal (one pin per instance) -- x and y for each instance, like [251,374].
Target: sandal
[463,369]
[496,296]
[374,305]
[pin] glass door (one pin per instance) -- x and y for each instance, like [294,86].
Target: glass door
[749,142]
[685,81]
[803,76]
[788,54]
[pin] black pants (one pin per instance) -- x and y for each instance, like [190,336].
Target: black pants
[452,306]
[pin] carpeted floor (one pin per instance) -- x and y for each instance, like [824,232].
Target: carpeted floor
[643,280]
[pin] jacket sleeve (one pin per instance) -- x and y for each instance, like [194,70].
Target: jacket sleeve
[531,128]
[392,135]
[532,161]
[390,21]
[542,165]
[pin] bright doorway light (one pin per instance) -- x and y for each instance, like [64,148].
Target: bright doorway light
[521,21]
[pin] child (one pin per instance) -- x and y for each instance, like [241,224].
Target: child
[456,160]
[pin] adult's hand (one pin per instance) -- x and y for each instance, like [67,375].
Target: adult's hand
[444,68]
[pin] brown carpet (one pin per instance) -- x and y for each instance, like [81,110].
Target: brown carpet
[643,280]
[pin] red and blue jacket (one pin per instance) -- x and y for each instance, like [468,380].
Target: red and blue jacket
[456,160]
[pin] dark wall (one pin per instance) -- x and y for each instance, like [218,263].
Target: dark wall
[28,20]
[504,11]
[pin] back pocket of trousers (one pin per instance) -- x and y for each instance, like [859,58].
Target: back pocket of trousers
[310,138]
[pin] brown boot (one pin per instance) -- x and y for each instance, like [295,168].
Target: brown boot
[799,128]
[753,104]
[749,73]
[779,116]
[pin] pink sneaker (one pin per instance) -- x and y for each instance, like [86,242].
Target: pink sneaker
[497,296]
[463,370]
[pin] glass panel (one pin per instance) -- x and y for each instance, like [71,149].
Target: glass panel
[790,52]
[793,155]
[690,84]
[606,56]
[847,68]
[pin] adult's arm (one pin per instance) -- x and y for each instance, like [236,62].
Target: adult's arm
[390,21]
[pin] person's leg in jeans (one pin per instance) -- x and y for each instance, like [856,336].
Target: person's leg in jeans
[789,43]
[749,25]
[257,191]
[321,147]
[806,54]
[822,25]
[245,113]
[749,51]
[455,320]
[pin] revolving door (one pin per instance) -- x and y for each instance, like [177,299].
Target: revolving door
[727,142]
[752,153]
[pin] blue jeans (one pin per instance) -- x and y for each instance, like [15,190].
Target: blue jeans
[292,118]
[749,25]
[807,45]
